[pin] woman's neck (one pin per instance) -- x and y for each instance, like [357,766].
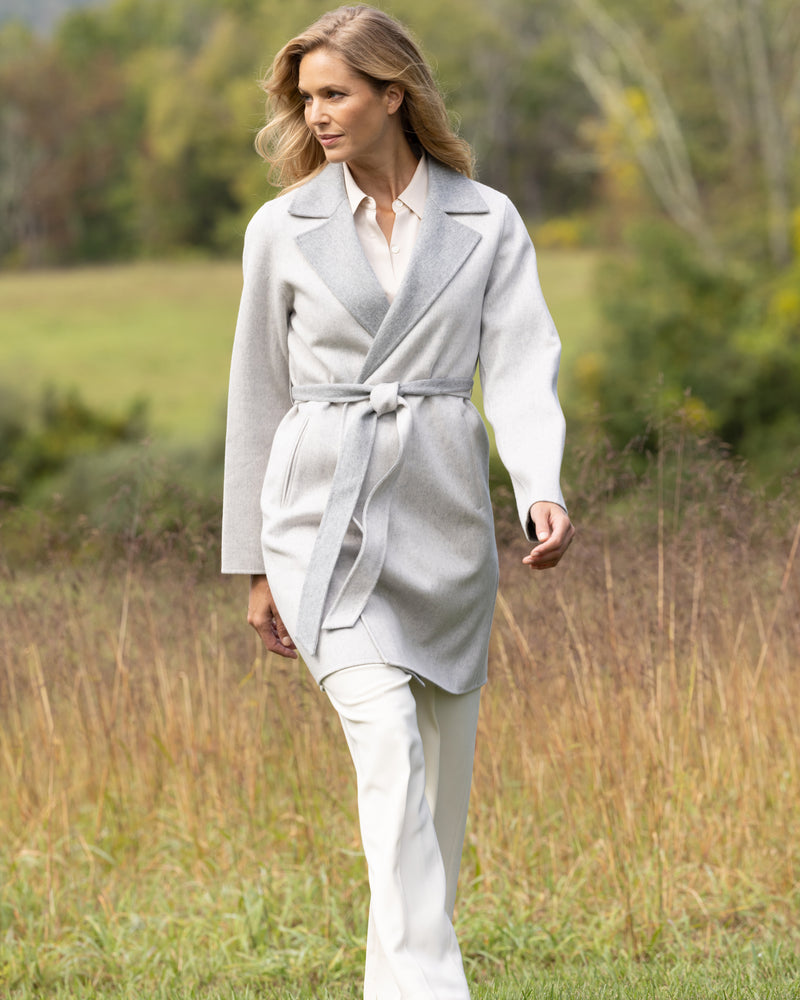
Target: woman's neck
[387,179]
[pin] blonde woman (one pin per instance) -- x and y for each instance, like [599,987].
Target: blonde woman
[356,472]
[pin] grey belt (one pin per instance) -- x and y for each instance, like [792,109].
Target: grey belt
[347,483]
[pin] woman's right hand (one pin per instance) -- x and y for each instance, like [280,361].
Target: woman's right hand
[263,616]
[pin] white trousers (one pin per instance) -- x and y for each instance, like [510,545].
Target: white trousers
[412,746]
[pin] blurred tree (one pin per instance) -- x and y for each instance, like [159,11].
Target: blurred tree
[506,67]
[698,103]
[196,164]
[148,146]
[130,132]
[58,154]
[705,94]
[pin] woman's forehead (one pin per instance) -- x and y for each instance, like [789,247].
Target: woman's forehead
[321,67]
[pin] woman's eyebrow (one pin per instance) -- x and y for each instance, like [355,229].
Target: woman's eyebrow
[325,86]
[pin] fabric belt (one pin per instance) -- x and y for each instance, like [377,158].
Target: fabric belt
[373,402]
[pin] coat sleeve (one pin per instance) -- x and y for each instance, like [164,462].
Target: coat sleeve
[259,395]
[519,359]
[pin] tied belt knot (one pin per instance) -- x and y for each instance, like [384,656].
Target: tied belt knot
[384,398]
[372,402]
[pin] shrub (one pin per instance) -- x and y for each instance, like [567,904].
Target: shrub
[679,328]
[39,442]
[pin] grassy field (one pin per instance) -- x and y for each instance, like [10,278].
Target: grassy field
[160,331]
[177,814]
[163,331]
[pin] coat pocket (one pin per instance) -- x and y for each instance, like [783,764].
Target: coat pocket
[476,441]
[291,465]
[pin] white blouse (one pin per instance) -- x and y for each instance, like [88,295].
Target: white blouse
[389,260]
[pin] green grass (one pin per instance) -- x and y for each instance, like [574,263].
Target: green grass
[751,976]
[567,278]
[163,331]
[177,812]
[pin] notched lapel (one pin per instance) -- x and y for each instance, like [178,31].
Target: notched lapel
[442,248]
[334,251]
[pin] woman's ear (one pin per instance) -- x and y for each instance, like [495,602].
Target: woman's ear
[395,93]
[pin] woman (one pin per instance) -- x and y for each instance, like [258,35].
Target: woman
[356,473]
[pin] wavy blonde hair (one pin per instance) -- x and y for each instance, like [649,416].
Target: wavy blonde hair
[378,48]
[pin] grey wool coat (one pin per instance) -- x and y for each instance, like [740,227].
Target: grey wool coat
[356,467]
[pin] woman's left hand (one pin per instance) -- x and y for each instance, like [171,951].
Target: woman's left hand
[554,532]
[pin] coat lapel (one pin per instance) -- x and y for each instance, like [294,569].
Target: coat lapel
[442,247]
[334,251]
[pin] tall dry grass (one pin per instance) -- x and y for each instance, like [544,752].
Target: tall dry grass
[638,781]
[175,803]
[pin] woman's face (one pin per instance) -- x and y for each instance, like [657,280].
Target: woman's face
[351,120]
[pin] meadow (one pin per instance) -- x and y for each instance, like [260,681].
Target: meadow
[177,815]
[162,331]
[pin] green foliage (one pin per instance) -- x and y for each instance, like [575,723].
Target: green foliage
[718,345]
[70,474]
[64,192]
[60,430]
[696,117]
[147,149]
[701,312]
[506,68]
[575,109]
[161,331]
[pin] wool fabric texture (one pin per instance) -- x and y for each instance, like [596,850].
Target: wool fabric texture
[312,314]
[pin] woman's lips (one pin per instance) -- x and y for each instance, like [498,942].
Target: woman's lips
[328,140]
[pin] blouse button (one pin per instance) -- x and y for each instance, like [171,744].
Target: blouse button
[395,249]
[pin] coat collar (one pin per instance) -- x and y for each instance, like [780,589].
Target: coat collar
[334,251]
[452,192]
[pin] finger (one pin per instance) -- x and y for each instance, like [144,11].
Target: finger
[542,564]
[549,547]
[540,560]
[549,564]
[282,632]
[273,633]
[541,524]
[274,642]
[548,554]
[274,645]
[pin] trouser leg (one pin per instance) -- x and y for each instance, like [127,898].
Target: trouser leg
[447,725]
[412,949]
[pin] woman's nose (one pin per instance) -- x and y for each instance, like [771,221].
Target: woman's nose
[315,112]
